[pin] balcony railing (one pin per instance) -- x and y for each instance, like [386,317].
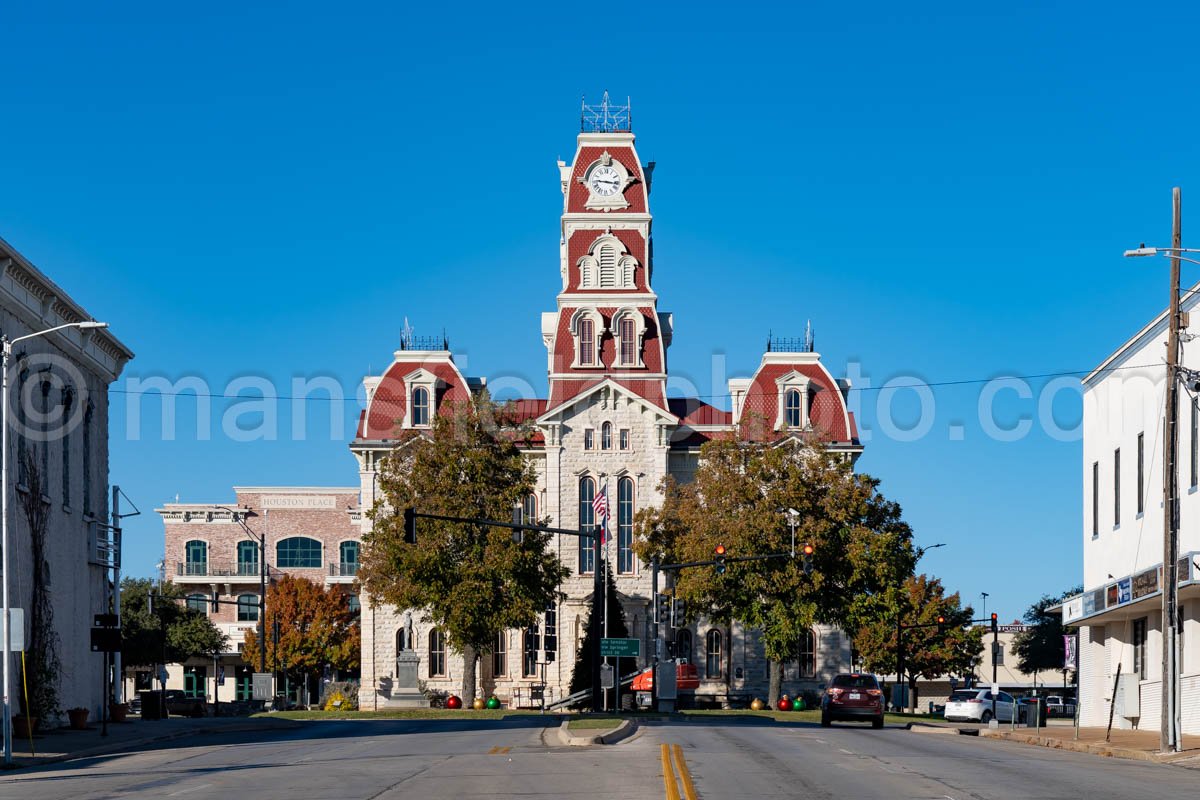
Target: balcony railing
[205,569]
[343,569]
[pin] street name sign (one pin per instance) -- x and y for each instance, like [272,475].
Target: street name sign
[620,648]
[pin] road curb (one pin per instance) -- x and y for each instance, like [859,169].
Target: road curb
[1095,748]
[922,727]
[617,734]
[181,733]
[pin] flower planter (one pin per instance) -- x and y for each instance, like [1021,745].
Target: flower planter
[78,718]
[24,727]
[117,712]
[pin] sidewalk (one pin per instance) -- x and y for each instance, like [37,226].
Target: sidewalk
[1141,745]
[62,744]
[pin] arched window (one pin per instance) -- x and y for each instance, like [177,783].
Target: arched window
[197,602]
[500,655]
[606,436]
[420,406]
[403,641]
[298,552]
[792,408]
[628,333]
[712,656]
[587,519]
[348,558]
[530,644]
[587,342]
[683,644]
[195,558]
[247,558]
[529,508]
[247,608]
[625,525]
[437,653]
[806,655]
[550,633]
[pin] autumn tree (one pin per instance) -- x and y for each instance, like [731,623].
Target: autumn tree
[1040,647]
[472,581]
[317,628]
[928,652]
[738,498]
[167,633]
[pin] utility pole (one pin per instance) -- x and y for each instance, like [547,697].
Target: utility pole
[1168,733]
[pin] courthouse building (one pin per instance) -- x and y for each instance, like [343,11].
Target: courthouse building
[606,424]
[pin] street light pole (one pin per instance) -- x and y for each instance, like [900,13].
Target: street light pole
[261,539]
[6,346]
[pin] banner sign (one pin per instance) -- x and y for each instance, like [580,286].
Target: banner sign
[1070,642]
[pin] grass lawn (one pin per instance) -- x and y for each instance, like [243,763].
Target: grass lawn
[594,723]
[399,713]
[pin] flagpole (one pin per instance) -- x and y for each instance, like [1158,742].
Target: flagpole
[607,541]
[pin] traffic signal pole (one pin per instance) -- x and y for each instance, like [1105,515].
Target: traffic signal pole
[654,658]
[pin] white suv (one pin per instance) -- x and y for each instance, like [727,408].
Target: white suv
[975,705]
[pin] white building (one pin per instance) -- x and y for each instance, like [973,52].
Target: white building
[58,395]
[1120,612]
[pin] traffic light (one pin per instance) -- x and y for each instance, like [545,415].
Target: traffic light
[995,622]
[518,514]
[410,526]
[677,612]
[808,551]
[662,608]
[719,553]
[941,622]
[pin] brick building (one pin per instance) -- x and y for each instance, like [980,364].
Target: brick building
[212,550]
[607,425]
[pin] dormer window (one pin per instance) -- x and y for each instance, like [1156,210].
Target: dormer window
[794,401]
[587,328]
[630,328]
[420,407]
[587,342]
[793,407]
[607,265]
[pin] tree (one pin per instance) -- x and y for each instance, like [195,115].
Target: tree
[471,581]
[169,633]
[1040,648]
[618,628]
[317,628]
[928,652]
[738,498]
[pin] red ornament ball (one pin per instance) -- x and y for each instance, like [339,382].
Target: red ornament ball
[453,701]
[784,704]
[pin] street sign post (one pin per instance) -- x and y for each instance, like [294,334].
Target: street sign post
[620,648]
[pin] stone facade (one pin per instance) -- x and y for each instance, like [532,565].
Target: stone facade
[62,377]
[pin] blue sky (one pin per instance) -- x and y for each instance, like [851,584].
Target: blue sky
[944,191]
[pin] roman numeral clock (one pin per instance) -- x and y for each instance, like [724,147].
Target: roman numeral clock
[606,180]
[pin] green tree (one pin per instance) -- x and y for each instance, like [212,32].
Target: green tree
[471,581]
[738,498]
[928,652]
[618,628]
[1040,648]
[169,633]
[317,628]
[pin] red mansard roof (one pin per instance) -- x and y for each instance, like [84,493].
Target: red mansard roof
[761,406]
[692,411]
[387,406]
[577,193]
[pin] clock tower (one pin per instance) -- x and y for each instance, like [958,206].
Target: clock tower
[607,325]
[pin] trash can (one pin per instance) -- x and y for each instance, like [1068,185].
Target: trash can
[1035,712]
[154,704]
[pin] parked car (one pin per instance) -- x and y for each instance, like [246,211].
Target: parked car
[854,697]
[179,702]
[975,705]
[1058,706]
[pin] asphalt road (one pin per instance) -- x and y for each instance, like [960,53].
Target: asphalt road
[365,760]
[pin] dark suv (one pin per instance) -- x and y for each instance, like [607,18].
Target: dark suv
[855,697]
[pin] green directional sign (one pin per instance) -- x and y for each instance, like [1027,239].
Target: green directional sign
[620,648]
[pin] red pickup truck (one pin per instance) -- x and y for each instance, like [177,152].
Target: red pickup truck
[687,678]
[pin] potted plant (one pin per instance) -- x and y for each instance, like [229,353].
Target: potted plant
[78,717]
[117,711]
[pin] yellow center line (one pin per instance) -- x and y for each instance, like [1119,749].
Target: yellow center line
[669,774]
[685,777]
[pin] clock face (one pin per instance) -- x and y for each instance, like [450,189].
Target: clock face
[605,181]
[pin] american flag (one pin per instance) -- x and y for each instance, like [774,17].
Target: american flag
[600,510]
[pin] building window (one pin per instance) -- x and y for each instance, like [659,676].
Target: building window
[348,558]
[792,408]
[589,439]
[500,655]
[353,604]
[197,602]
[1139,647]
[529,509]
[712,655]
[247,605]
[550,633]
[625,525]
[195,558]
[587,520]
[806,655]
[247,558]
[1116,487]
[587,342]
[420,406]
[68,398]
[437,653]
[1141,466]
[624,437]
[606,436]
[683,644]
[298,552]
[628,333]
[1095,499]
[87,457]
[23,454]
[45,429]
[530,645]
